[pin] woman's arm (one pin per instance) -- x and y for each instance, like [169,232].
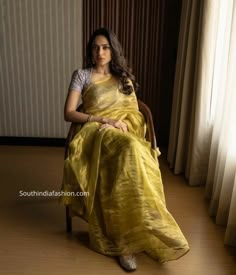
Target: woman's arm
[71,115]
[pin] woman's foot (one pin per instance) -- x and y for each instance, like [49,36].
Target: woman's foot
[128,262]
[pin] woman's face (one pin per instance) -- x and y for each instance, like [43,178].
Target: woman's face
[101,51]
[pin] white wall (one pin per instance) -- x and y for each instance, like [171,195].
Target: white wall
[40,46]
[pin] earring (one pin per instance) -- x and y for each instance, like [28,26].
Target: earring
[93,62]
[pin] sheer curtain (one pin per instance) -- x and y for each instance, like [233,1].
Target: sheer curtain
[203,132]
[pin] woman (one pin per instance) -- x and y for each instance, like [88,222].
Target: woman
[110,158]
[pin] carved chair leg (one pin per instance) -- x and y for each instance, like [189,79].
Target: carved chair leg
[68,220]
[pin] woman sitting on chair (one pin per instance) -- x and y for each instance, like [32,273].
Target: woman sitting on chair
[110,158]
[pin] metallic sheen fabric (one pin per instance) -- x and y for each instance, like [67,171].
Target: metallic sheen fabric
[125,210]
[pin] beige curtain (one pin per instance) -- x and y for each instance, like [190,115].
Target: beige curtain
[202,136]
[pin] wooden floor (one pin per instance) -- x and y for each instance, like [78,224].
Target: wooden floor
[32,230]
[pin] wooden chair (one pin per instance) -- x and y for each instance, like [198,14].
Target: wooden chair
[150,136]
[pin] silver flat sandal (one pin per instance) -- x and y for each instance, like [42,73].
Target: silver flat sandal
[128,263]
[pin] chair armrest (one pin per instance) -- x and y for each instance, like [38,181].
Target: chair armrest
[72,132]
[144,109]
[69,137]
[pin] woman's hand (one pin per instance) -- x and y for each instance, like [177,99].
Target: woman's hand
[112,123]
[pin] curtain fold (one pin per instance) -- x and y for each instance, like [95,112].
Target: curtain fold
[230,237]
[202,140]
[183,96]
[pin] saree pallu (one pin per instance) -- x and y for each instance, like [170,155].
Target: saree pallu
[125,210]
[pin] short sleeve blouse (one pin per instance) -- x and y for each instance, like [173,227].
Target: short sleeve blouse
[80,79]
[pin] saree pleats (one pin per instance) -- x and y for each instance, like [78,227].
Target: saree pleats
[125,209]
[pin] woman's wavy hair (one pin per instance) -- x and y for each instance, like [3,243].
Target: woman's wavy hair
[118,64]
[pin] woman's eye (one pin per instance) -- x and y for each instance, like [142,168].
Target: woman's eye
[96,48]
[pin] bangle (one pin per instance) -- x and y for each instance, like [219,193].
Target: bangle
[89,118]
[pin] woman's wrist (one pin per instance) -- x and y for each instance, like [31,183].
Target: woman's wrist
[89,118]
[105,120]
[99,119]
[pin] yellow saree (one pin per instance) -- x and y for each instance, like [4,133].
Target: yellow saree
[125,209]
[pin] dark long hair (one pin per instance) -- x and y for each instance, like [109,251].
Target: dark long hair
[118,65]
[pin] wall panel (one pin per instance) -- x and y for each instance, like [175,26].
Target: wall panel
[40,47]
